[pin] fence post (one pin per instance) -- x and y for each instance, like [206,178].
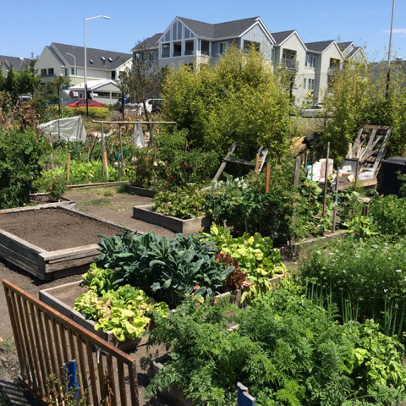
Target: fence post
[267,177]
[243,397]
[297,173]
[325,181]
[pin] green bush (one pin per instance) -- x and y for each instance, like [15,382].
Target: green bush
[97,113]
[239,98]
[365,279]
[52,182]
[20,154]
[243,205]
[389,215]
[286,350]
[175,165]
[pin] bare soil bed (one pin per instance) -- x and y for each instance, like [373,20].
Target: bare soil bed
[55,229]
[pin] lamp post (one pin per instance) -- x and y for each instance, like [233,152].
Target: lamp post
[86,95]
[74,62]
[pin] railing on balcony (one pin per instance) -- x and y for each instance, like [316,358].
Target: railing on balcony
[289,63]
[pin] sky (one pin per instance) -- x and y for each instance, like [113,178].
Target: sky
[26,26]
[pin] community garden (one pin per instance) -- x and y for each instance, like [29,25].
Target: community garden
[230,302]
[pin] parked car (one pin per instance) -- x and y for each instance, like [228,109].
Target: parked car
[153,106]
[82,103]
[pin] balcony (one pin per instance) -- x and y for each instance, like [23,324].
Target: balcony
[289,64]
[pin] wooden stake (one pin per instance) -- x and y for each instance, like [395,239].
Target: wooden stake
[267,177]
[336,200]
[102,150]
[121,149]
[154,162]
[325,181]
[68,169]
[106,166]
[257,164]
[297,173]
[356,174]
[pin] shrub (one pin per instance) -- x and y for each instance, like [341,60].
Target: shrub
[238,99]
[364,278]
[97,113]
[20,153]
[389,215]
[52,182]
[286,349]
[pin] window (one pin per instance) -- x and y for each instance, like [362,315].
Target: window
[304,83]
[310,61]
[223,47]
[166,50]
[205,48]
[188,34]
[72,71]
[177,49]
[311,83]
[272,54]
[251,44]
[168,36]
[113,75]
[43,72]
[51,72]
[66,71]
[189,47]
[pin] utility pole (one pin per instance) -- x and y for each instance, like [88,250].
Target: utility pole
[390,49]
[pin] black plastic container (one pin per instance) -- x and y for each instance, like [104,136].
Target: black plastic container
[388,177]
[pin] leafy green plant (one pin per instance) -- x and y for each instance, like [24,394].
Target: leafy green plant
[361,227]
[51,182]
[20,154]
[364,278]
[185,203]
[254,255]
[388,213]
[123,310]
[168,269]
[286,349]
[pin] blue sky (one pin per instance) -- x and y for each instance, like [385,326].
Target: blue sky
[27,26]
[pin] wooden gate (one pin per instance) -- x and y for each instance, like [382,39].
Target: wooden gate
[47,341]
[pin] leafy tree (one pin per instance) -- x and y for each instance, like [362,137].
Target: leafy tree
[239,98]
[143,80]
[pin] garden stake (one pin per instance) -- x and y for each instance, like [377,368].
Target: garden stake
[356,175]
[336,200]
[297,173]
[257,164]
[121,149]
[105,163]
[267,177]
[102,148]
[325,181]
[68,169]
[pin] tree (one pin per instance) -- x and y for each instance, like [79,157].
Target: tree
[239,99]
[143,81]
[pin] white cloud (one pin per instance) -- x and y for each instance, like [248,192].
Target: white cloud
[396,31]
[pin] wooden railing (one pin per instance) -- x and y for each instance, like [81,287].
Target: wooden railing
[46,341]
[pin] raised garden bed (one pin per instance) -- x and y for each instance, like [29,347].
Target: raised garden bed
[62,299]
[295,249]
[135,190]
[51,241]
[43,198]
[174,224]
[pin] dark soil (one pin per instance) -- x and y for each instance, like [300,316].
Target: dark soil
[55,229]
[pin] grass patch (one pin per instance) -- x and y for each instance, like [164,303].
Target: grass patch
[6,344]
[94,202]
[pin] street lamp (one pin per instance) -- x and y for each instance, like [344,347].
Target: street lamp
[86,95]
[74,61]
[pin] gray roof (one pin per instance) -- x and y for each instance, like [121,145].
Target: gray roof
[279,37]
[149,43]
[353,52]
[96,55]
[318,46]
[15,62]
[344,45]
[222,30]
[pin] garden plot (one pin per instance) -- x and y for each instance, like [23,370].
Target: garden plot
[175,224]
[51,242]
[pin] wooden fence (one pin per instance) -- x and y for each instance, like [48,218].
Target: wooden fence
[47,341]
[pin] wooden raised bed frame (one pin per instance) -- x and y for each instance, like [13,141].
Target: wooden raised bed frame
[44,264]
[135,190]
[48,296]
[174,224]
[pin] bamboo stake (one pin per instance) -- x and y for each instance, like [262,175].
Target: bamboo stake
[356,175]
[267,177]
[325,181]
[121,149]
[336,200]
[297,173]
[68,169]
[105,164]
[102,149]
